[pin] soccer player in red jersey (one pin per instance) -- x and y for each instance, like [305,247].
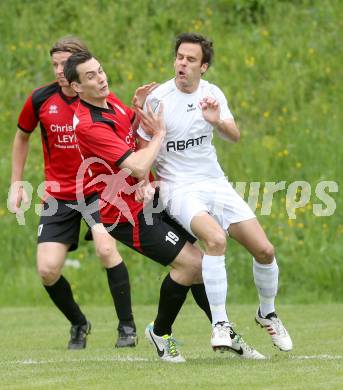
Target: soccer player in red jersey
[53,106]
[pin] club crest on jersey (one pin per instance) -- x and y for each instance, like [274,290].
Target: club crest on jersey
[190,107]
[53,109]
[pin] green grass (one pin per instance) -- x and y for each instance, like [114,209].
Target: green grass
[33,353]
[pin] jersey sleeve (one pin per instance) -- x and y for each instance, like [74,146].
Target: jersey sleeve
[104,143]
[225,112]
[27,120]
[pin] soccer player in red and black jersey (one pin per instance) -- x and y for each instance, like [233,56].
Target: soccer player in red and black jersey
[53,106]
[108,145]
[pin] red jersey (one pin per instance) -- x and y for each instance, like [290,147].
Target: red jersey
[107,135]
[54,111]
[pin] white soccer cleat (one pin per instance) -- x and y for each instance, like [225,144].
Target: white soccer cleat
[243,350]
[277,331]
[221,339]
[166,346]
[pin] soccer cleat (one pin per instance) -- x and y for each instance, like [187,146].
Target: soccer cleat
[275,328]
[78,336]
[127,336]
[242,349]
[221,339]
[166,346]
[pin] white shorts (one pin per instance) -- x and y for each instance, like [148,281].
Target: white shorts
[215,196]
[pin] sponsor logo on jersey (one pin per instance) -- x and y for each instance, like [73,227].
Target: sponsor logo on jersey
[191,107]
[53,109]
[184,144]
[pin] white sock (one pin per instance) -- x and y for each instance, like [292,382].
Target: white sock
[215,281]
[266,282]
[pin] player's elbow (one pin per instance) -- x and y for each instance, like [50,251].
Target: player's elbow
[140,172]
[235,137]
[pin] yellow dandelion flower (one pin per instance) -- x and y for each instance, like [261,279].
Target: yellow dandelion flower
[250,61]
[298,165]
[266,114]
[300,225]
[265,33]
[129,76]
[311,51]
[290,223]
[285,153]
[284,110]
[2,212]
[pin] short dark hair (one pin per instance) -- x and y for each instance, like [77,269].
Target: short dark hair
[206,45]
[70,72]
[69,44]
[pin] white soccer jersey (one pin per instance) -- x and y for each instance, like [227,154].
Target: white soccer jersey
[187,153]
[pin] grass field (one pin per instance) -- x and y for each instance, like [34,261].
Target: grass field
[33,353]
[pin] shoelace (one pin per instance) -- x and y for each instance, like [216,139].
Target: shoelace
[171,346]
[239,339]
[280,329]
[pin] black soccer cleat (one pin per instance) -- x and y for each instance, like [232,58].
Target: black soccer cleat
[127,336]
[78,336]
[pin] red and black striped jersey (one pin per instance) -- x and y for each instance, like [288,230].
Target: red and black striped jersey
[106,139]
[54,111]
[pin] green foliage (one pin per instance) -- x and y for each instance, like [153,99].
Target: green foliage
[280,66]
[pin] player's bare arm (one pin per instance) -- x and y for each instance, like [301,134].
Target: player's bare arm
[19,154]
[227,128]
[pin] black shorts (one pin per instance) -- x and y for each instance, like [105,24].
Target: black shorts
[64,225]
[161,241]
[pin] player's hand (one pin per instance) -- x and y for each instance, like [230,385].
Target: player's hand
[210,110]
[145,192]
[152,122]
[17,198]
[141,94]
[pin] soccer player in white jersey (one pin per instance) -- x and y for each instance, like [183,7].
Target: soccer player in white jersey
[195,191]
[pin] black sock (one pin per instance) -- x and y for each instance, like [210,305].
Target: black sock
[200,297]
[62,296]
[118,281]
[172,297]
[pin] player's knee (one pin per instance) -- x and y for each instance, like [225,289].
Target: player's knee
[265,253]
[108,255]
[48,274]
[216,244]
